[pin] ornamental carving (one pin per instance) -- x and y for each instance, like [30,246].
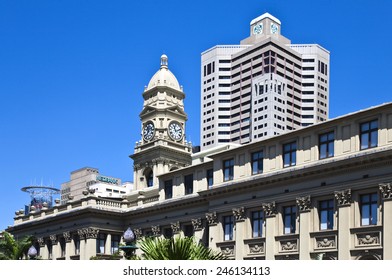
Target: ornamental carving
[269,209]
[88,233]
[197,224]
[212,218]
[239,214]
[256,248]
[138,232]
[67,236]
[368,239]
[156,230]
[41,241]
[227,251]
[386,190]
[53,239]
[326,243]
[175,227]
[343,198]
[303,203]
[288,245]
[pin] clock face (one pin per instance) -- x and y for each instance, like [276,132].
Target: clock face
[257,29]
[148,131]
[175,131]
[274,28]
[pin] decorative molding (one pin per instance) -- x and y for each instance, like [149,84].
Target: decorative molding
[227,251]
[53,239]
[67,236]
[88,233]
[269,209]
[303,203]
[175,227]
[41,241]
[386,191]
[212,218]
[138,232]
[156,230]
[326,242]
[197,224]
[368,239]
[239,214]
[343,197]
[288,245]
[256,248]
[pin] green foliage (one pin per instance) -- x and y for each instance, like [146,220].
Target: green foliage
[180,248]
[11,249]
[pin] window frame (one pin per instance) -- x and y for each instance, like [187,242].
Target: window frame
[168,185]
[115,243]
[328,143]
[257,162]
[188,184]
[330,211]
[291,152]
[372,211]
[369,132]
[292,216]
[228,228]
[257,223]
[228,166]
[100,243]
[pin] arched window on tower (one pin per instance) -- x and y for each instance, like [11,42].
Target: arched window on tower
[150,178]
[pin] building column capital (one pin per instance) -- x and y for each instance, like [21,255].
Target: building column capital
[386,191]
[269,209]
[197,224]
[239,214]
[343,198]
[212,219]
[303,203]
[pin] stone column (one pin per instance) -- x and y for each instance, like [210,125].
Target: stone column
[91,242]
[386,195]
[270,224]
[82,244]
[214,234]
[55,247]
[343,202]
[176,229]
[43,250]
[303,204]
[108,244]
[239,218]
[69,245]
[198,230]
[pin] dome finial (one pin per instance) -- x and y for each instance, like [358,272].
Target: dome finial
[164,61]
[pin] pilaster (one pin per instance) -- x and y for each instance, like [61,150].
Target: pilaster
[212,221]
[270,224]
[239,218]
[343,201]
[386,196]
[303,204]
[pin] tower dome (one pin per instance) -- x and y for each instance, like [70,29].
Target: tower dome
[164,77]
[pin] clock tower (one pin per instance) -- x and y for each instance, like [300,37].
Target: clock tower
[162,146]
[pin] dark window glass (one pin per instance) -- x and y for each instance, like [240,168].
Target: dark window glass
[168,232]
[369,134]
[168,189]
[228,226]
[289,154]
[289,219]
[369,205]
[188,184]
[326,145]
[188,230]
[150,179]
[210,178]
[77,244]
[228,169]
[115,244]
[326,214]
[101,239]
[257,223]
[257,162]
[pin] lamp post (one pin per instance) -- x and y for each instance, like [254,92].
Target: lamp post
[32,253]
[129,239]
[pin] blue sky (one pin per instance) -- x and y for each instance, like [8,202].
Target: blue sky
[72,73]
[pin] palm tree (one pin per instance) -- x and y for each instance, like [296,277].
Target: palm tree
[180,248]
[11,249]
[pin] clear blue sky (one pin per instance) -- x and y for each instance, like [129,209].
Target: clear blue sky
[72,73]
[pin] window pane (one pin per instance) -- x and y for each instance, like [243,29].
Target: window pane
[323,151]
[374,139]
[365,215]
[323,220]
[374,214]
[364,141]
[331,149]
[293,158]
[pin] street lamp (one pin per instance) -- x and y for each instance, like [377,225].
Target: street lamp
[129,239]
[32,253]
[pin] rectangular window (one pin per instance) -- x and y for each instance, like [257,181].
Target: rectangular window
[115,244]
[168,232]
[326,145]
[101,239]
[257,162]
[228,226]
[188,183]
[188,230]
[228,169]
[369,205]
[289,154]
[168,189]
[369,134]
[326,214]
[289,219]
[257,223]
[210,178]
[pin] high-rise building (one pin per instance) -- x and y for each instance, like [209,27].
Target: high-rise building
[263,87]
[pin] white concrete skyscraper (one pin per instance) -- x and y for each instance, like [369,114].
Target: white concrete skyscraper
[263,87]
